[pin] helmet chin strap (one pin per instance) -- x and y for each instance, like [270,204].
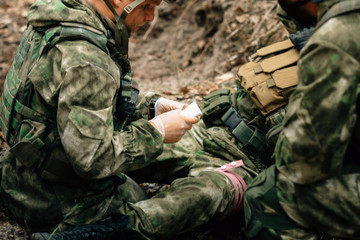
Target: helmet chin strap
[121,32]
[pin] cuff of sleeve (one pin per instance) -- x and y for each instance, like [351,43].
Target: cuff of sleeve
[149,133]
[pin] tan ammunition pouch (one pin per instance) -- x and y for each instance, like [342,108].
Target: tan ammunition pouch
[271,76]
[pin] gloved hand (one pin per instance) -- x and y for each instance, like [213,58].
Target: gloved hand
[172,125]
[163,105]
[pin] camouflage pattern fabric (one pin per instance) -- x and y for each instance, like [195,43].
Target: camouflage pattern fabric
[317,152]
[76,83]
[197,195]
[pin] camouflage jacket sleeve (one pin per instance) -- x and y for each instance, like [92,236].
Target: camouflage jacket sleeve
[322,110]
[142,105]
[83,89]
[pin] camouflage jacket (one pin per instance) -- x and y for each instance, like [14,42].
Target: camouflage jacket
[321,127]
[77,83]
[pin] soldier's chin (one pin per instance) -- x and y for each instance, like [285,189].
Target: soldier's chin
[132,29]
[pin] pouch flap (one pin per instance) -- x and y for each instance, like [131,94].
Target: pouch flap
[246,68]
[266,96]
[248,76]
[92,124]
[217,93]
[279,61]
[26,153]
[276,47]
[285,78]
[254,80]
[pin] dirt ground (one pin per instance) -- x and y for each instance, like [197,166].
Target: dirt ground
[191,48]
[196,46]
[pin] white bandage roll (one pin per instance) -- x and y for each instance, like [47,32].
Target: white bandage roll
[192,110]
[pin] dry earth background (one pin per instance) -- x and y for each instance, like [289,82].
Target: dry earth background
[190,49]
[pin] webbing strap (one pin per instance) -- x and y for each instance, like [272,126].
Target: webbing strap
[129,89]
[126,101]
[253,140]
[67,32]
[238,183]
[128,8]
[112,9]
[97,38]
[231,118]
[31,114]
[133,5]
[257,144]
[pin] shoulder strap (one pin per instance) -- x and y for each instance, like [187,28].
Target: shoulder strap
[339,9]
[67,31]
[74,31]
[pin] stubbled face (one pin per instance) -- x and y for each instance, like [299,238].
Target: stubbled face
[303,11]
[141,14]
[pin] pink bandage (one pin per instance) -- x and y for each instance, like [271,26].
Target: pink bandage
[237,181]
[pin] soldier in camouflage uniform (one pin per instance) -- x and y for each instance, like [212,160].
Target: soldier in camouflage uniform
[312,192]
[76,131]
[74,197]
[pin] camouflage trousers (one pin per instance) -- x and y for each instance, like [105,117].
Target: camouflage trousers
[197,194]
[276,208]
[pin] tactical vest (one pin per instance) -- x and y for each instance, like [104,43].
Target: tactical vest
[269,80]
[29,133]
[271,76]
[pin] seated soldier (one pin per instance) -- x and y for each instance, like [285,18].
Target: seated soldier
[75,127]
[312,191]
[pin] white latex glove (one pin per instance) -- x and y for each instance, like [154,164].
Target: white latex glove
[172,125]
[164,105]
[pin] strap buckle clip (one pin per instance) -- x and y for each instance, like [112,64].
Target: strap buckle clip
[231,118]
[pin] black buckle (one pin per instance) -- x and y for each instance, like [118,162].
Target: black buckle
[231,118]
